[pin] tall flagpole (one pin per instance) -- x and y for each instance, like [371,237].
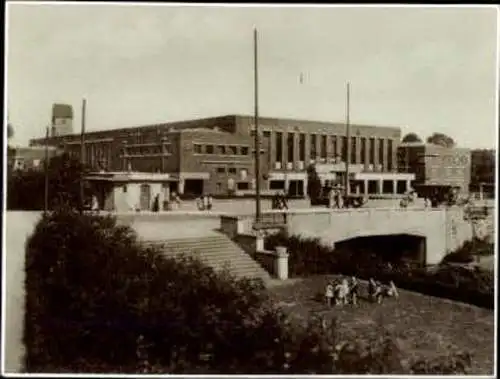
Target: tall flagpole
[257,137]
[82,154]
[46,189]
[348,135]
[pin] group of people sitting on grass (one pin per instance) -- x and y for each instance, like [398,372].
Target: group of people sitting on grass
[347,292]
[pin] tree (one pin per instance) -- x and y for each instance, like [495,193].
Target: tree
[411,137]
[441,140]
[26,189]
[313,184]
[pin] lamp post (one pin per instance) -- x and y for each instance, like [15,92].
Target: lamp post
[46,164]
[348,137]
[82,155]
[256,136]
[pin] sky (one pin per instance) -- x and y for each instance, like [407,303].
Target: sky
[422,69]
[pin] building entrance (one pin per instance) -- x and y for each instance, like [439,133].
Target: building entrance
[145,197]
[193,187]
[296,188]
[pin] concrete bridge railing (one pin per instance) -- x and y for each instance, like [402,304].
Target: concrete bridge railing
[443,229]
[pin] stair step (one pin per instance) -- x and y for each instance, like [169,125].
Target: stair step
[196,246]
[218,252]
[200,253]
[189,240]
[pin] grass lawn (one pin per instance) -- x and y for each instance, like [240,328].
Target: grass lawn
[422,325]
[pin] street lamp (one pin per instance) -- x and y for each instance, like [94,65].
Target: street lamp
[256,136]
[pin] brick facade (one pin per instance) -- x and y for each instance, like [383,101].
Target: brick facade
[219,151]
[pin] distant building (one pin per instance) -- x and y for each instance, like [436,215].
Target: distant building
[216,155]
[436,168]
[28,158]
[483,168]
[62,120]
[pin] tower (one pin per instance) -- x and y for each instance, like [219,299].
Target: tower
[62,120]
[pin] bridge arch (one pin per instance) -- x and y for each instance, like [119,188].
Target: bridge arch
[388,247]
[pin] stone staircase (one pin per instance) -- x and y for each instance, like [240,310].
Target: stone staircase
[217,251]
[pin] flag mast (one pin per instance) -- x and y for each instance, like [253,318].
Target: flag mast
[348,135]
[256,122]
[82,154]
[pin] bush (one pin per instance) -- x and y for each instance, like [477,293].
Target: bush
[467,252]
[458,257]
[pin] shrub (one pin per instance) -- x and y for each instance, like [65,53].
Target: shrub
[469,249]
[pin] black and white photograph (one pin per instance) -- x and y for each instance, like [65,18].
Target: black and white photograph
[249,189]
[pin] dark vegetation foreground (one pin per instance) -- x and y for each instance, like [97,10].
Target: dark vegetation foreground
[98,301]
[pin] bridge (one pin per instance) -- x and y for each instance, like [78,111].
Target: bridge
[441,230]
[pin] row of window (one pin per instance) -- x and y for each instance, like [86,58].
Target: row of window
[319,148]
[240,186]
[221,149]
[147,150]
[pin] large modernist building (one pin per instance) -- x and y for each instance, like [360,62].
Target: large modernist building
[216,155]
[436,168]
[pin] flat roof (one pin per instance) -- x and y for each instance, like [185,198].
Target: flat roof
[130,177]
[179,125]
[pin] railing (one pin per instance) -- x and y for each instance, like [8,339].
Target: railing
[478,212]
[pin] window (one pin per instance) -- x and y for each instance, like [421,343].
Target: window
[363,149]
[387,186]
[276,184]
[221,149]
[243,186]
[218,187]
[323,146]
[373,187]
[372,151]
[232,170]
[124,188]
[302,147]
[244,150]
[233,150]
[313,147]
[381,151]
[401,186]
[334,146]
[197,149]
[290,147]
[390,163]
[279,147]
[343,152]
[221,170]
[209,149]
[353,149]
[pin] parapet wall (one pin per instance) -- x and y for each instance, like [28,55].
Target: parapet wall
[443,229]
